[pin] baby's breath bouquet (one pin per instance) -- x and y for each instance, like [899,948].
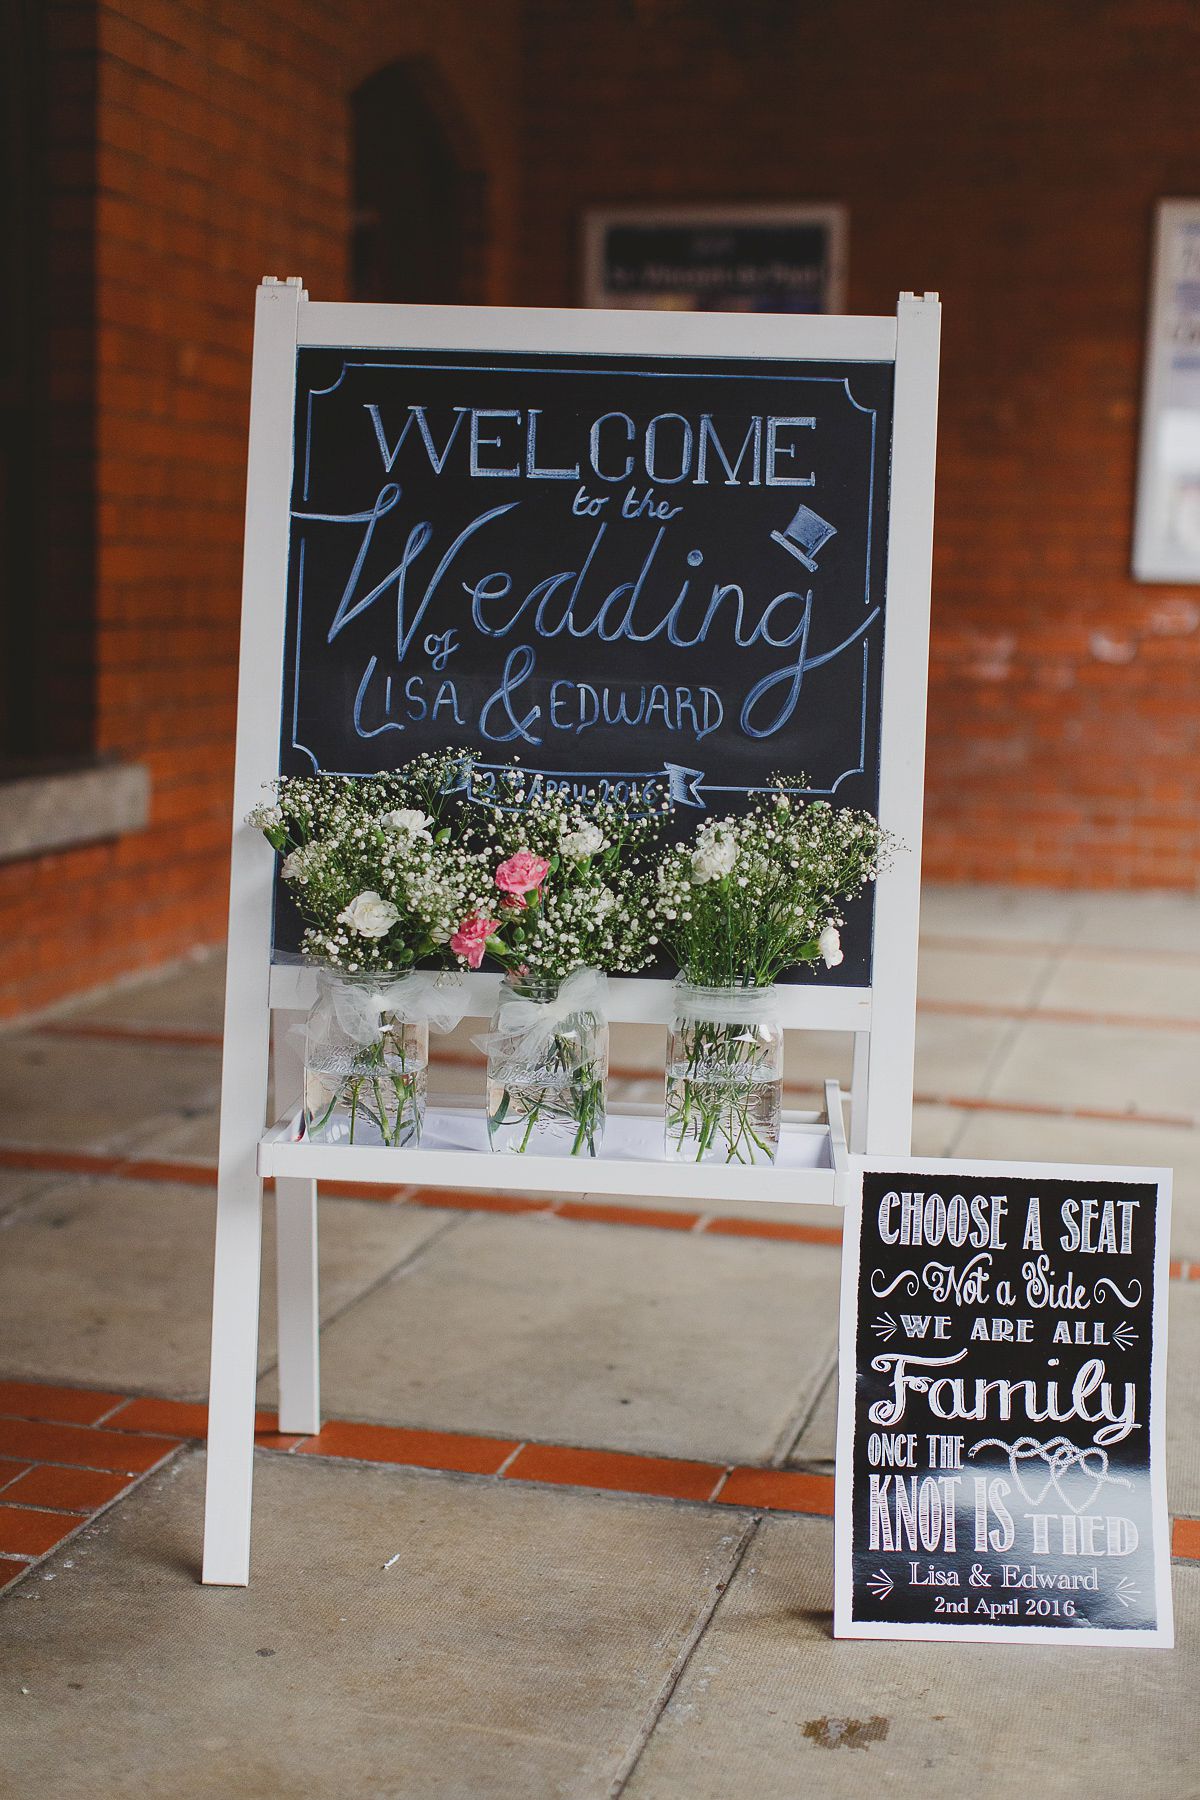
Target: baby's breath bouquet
[750,898]
[377,864]
[568,907]
[567,878]
[756,895]
[382,877]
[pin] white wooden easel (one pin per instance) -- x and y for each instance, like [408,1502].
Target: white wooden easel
[881,1017]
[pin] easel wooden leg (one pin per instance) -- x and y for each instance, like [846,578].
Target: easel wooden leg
[299,1305]
[838,1154]
[858,1092]
[232,1382]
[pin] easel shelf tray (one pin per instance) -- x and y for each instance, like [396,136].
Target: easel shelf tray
[454,1154]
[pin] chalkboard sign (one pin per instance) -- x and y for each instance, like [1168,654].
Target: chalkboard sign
[621,547]
[1000,1434]
[622,572]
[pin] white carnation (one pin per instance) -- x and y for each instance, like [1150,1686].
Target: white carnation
[577,845]
[830,945]
[369,915]
[408,822]
[264,817]
[302,863]
[713,859]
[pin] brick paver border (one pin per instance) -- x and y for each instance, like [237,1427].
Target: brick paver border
[200,1174]
[67,1454]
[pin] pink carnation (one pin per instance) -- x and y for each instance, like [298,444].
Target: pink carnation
[522,873]
[470,939]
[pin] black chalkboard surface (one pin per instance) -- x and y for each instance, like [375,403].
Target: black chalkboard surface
[999,1461]
[611,569]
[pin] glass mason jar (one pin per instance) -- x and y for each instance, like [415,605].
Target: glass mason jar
[547,1073]
[365,1064]
[724,1076]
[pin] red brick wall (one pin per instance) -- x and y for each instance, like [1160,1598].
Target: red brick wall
[1008,156]
[222,156]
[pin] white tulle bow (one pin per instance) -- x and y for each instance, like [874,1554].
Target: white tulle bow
[535,1022]
[358,1005]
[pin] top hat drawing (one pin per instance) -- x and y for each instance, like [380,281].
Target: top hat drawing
[805,536]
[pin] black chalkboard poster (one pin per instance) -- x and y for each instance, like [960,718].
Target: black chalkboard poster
[1000,1438]
[615,570]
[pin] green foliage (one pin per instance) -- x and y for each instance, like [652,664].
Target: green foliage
[756,895]
[588,909]
[377,864]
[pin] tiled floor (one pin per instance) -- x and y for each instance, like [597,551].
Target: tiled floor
[67,1453]
[563,1533]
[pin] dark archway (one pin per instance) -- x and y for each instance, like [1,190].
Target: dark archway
[419,190]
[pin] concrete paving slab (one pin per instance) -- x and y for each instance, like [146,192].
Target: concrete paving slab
[1026,1137]
[457,1048]
[768,1212]
[75,1093]
[764,1704]
[960,910]
[648,1092]
[1166,989]
[516,1650]
[619,1338]
[937,1129]
[1101,1066]
[812,1057]
[1183,1401]
[1165,919]
[958,1056]
[191,1140]
[989,978]
[638,1047]
[189,995]
[19,1186]
[109,1283]
[816,1445]
[454,1079]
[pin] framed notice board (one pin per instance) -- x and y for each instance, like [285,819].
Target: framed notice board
[1167,534]
[1000,1460]
[748,259]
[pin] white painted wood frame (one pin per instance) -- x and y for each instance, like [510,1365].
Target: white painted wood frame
[881,1017]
